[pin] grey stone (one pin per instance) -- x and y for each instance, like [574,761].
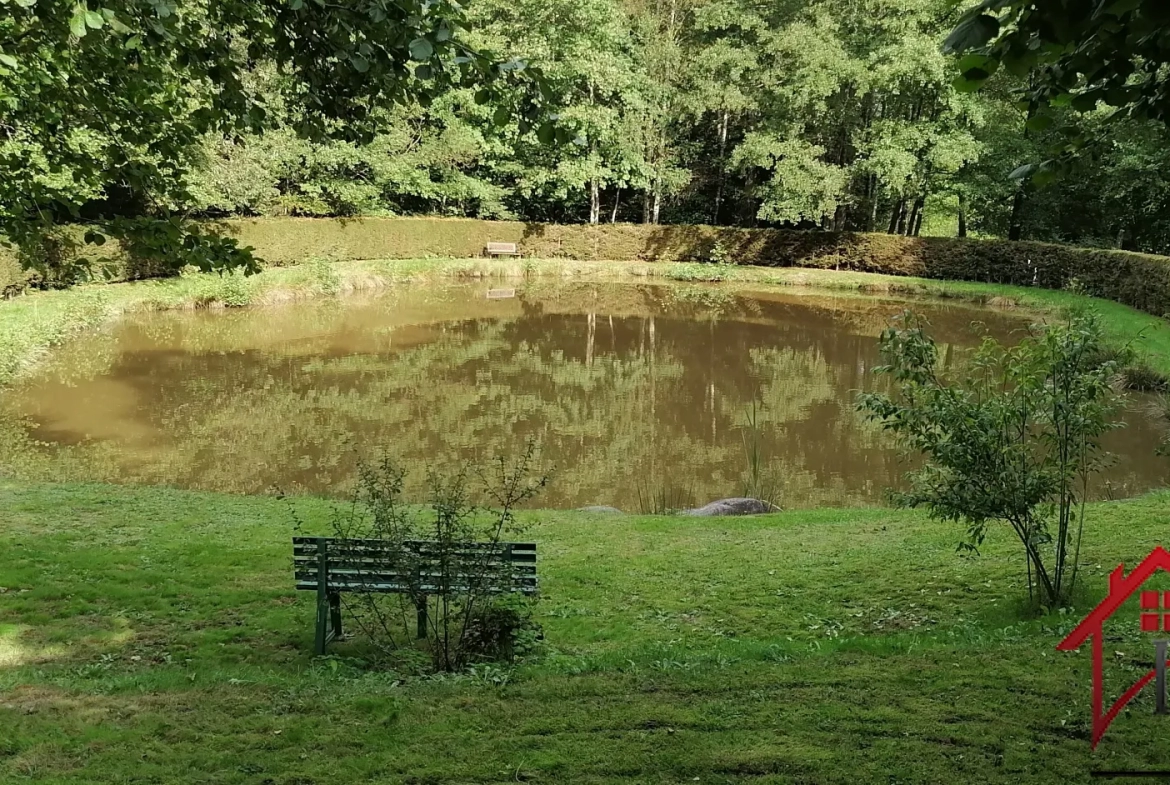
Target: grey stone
[601,508]
[736,506]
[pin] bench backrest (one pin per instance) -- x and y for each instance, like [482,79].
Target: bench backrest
[501,247]
[414,567]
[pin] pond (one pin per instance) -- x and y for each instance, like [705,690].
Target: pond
[635,393]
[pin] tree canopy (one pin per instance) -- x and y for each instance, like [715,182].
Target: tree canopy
[811,114]
[104,108]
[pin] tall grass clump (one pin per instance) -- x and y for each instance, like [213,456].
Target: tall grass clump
[759,481]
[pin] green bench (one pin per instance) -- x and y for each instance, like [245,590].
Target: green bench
[332,565]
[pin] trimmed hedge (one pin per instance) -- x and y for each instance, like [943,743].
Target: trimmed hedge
[1137,280]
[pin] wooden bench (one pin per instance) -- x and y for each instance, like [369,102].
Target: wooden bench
[331,565]
[501,249]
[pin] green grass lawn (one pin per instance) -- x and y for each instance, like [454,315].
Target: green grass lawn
[152,636]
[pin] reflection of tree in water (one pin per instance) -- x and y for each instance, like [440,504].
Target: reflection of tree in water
[620,403]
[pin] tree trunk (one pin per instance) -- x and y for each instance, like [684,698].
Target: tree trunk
[873,207]
[594,202]
[915,224]
[962,215]
[896,219]
[657,203]
[1016,227]
[617,200]
[722,166]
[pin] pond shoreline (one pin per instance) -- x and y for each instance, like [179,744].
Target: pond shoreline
[32,324]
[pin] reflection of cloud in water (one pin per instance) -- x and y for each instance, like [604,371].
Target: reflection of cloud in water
[629,389]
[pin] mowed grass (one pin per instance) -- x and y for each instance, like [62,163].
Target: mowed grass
[152,636]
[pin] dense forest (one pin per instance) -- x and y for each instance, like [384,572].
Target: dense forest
[830,114]
[811,113]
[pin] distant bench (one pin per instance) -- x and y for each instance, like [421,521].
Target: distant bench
[501,249]
[332,565]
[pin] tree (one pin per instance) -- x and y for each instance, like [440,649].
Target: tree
[105,109]
[1078,52]
[1073,53]
[1014,438]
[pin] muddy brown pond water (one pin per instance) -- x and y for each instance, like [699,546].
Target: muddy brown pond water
[637,394]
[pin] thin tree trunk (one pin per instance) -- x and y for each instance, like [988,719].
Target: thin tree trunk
[873,207]
[1016,227]
[915,224]
[896,219]
[657,201]
[722,166]
[962,215]
[617,200]
[594,201]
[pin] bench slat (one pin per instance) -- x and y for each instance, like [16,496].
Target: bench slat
[369,565]
[395,588]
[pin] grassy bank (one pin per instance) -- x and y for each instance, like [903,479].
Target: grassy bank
[147,634]
[32,324]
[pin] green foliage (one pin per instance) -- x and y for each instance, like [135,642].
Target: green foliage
[467,623]
[1015,438]
[234,291]
[106,109]
[1074,54]
[326,275]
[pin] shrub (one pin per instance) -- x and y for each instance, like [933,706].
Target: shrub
[466,623]
[235,291]
[1015,438]
[325,274]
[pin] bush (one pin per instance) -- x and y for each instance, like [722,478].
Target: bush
[465,622]
[1138,280]
[1014,438]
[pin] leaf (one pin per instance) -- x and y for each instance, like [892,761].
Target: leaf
[1022,172]
[297,5]
[421,49]
[424,71]
[501,116]
[482,97]
[547,133]
[1119,7]
[979,63]
[77,22]
[1086,102]
[1039,123]
[964,85]
[971,33]
[94,20]
[8,60]
[360,64]
[95,238]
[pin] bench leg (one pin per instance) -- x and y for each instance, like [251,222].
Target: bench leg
[321,637]
[335,614]
[421,605]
